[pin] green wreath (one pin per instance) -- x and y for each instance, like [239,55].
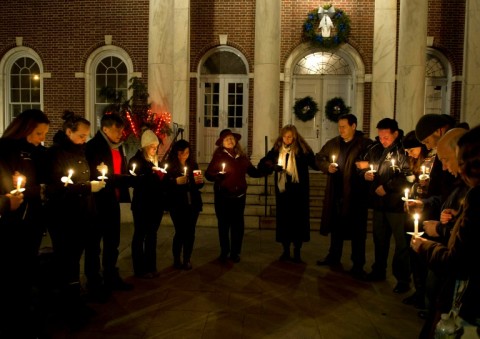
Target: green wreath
[334,108]
[341,23]
[305,109]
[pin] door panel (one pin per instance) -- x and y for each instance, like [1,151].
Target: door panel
[321,88]
[223,104]
[334,86]
[311,129]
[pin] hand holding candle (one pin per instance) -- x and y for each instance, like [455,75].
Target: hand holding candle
[415,232]
[132,171]
[68,180]
[164,169]
[102,168]
[424,175]
[333,161]
[19,180]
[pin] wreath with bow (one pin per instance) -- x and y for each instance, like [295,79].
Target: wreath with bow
[327,15]
[305,108]
[334,108]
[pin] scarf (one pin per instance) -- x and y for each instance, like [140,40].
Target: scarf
[290,168]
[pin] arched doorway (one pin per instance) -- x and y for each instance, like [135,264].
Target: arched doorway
[323,76]
[437,83]
[222,98]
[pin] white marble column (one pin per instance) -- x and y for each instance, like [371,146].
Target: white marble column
[471,65]
[160,56]
[181,64]
[412,46]
[383,66]
[266,76]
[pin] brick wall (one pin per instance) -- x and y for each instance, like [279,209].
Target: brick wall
[64,33]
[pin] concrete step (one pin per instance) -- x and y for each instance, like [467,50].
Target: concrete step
[257,215]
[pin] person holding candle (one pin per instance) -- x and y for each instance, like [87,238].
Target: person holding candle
[428,130]
[184,200]
[387,187]
[230,189]
[439,229]
[419,159]
[148,205]
[292,192]
[344,213]
[106,149]
[458,259]
[22,154]
[71,210]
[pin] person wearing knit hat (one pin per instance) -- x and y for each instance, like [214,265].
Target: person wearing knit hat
[430,128]
[413,147]
[149,138]
[148,205]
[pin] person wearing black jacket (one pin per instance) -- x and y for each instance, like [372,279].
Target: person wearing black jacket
[184,200]
[71,210]
[105,154]
[345,210]
[290,158]
[22,157]
[148,205]
[387,184]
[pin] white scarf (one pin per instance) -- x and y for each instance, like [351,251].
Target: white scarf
[291,168]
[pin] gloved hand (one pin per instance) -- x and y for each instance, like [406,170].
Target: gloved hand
[97,185]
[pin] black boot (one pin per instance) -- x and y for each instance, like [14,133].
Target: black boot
[286,253]
[296,256]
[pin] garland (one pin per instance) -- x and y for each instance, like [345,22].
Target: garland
[341,23]
[305,109]
[334,108]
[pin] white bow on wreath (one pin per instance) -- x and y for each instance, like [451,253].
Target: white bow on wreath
[326,23]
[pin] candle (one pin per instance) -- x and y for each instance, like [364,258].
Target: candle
[371,168]
[70,173]
[333,159]
[415,223]
[133,167]
[185,171]
[406,194]
[393,163]
[104,171]
[223,167]
[279,162]
[165,168]
[423,169]
[19,183]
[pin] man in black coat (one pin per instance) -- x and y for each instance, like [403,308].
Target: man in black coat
[388,159]
[105,153]
[345,209]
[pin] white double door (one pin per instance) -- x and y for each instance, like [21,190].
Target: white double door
[321,88]
[223,103]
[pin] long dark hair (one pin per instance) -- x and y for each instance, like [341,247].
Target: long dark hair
[172,159]
[24,124]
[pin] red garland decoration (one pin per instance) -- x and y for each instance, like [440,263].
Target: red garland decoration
[159,123]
